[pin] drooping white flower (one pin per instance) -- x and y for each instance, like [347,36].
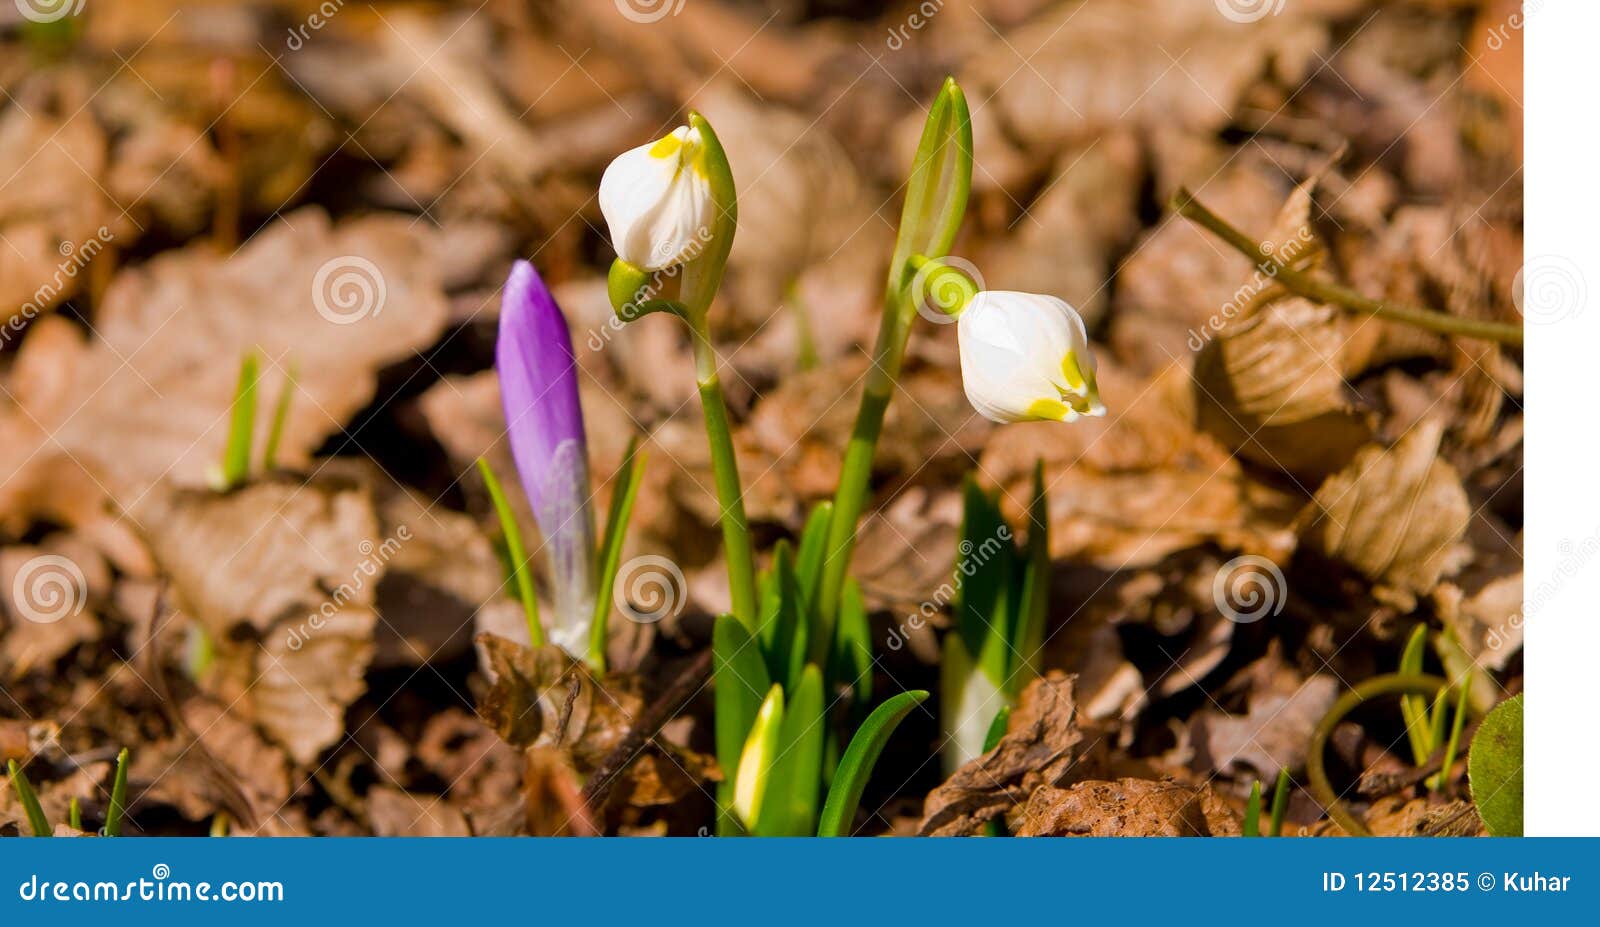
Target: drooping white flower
[658,202]
[1026,357]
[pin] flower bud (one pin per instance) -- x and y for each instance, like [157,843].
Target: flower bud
[1026,357]
[658,202]
[755,761]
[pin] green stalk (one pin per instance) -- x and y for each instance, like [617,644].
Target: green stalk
[1316,771]
[241,428]
[701,279]
[118,808]
[29,800]
[1450,748]
[1280,804]
[936,200]
[1252,811]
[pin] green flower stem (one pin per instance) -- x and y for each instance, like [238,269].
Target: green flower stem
[1323,291]
[936,201]
[725,471]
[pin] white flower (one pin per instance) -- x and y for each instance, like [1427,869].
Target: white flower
[657,200]
[1026,357]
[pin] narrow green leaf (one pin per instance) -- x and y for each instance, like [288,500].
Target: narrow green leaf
[1494,769]
[740,677]
[119,796]
[1028,639]
[241,428]
[855,767]
[997,728]
[1443,775]
[852,657]
[37,822]
[515,552]
[1280,804]
[280,416]
[1414,708]
[1252,811]
[984,557]
[75,815]
[808,560]
[783,628]
[624,490]
[219,824]
[790,807]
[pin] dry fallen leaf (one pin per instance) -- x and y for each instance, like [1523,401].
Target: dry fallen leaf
[1397,515]
[1127,808]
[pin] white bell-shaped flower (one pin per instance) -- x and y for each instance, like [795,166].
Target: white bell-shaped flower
[658,202]
[1026,357]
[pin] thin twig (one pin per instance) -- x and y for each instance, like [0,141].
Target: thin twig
[662,710]
[1323,291]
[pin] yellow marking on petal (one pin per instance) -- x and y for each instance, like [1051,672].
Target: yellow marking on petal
[667,146]
[1069,369]
[1050,410]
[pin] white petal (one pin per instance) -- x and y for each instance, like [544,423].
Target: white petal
[1016,353]
[657,202]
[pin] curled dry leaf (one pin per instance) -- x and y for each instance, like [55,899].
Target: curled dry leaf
[397,813]
[1397,515]
[1128,808]
[545,698]
[1042,746]
[1284,708]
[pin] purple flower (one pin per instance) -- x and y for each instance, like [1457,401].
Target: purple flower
[539,391]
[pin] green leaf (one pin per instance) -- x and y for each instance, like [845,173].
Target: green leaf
[852,657]
[941,179]
[997,728]
[1252,811]
[241,429]
[75,814]
[119,796]
[1437,781]
[1028,639]
[280,416]
[790,807]
[855,768]
[1414,708]
[740,677]
[1494,769]
[783,626]
[813,547]
[515,552]
[37,822]
[984,566]
[624,490]
[1280,803]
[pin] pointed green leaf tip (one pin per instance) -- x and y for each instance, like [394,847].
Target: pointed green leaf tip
[37,822]
[855,767]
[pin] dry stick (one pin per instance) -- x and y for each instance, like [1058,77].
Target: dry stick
[1323,291]
[662,710]
[1376,687]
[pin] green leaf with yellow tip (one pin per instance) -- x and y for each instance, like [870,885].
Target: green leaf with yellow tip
[756,759]
[795,783]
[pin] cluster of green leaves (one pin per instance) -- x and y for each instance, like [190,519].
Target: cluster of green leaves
[1426,724]
[1002,590]
[608,558]
[236,456]
[1280,805]
[40,824]
[780,686]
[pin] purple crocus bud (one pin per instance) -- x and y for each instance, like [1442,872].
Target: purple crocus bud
[539,390]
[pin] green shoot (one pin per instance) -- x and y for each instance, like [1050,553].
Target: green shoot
[1280,804]
[757,758]
[29,799]
[1414,708]
[1252,811]
[119,796]
[740,677]
[850,779]
[75,814]
[1439,779]
[241,428]
[624,491]
[852,656]
[280,415]
[515,552]
[219,824]
[790,808]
